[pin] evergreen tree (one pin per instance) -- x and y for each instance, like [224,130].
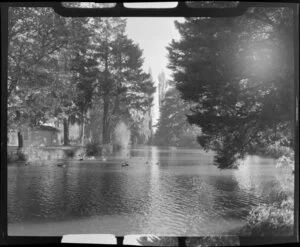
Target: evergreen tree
[122,85]
[83,67]
[239,73]
[173,128]
[59,68]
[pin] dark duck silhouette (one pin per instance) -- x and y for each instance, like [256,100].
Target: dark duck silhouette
[125,164]
[82,156]
[61,165]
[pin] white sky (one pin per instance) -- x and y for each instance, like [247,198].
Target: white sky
[153,35]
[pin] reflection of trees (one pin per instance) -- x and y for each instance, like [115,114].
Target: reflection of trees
[39,193]
[110,191]
[229,199]
[155,155]
[60,193]
[260,176]
[12,200]
[98,189]
[122,153]
[155,188]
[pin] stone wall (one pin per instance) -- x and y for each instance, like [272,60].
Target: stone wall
[46,153]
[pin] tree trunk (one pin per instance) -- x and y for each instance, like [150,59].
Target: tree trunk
[181,241]
[105,129]
[66,132]
[82,127]
[20,141]
[83,136]
[80,133]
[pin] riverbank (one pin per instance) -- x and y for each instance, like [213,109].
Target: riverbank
[44,153]
[277,217]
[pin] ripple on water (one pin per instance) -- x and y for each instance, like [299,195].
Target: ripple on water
[183,195]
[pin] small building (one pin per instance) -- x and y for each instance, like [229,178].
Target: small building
[40,136]
[12,138]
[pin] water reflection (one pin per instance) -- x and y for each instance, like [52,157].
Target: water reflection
[179,192]
[258,177]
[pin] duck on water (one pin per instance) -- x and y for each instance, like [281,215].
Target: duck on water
[124,164]
[61,165]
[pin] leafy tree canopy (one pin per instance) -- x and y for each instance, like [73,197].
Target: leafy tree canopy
[59,68]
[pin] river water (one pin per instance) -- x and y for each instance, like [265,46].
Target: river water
[164,191]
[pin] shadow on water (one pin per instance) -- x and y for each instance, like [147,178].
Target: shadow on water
[178,192]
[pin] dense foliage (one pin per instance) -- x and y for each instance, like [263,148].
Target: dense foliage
[173,128]
[60,68]
[238,73]
[277,217]
[93,149]
[34,37]
[271,220]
